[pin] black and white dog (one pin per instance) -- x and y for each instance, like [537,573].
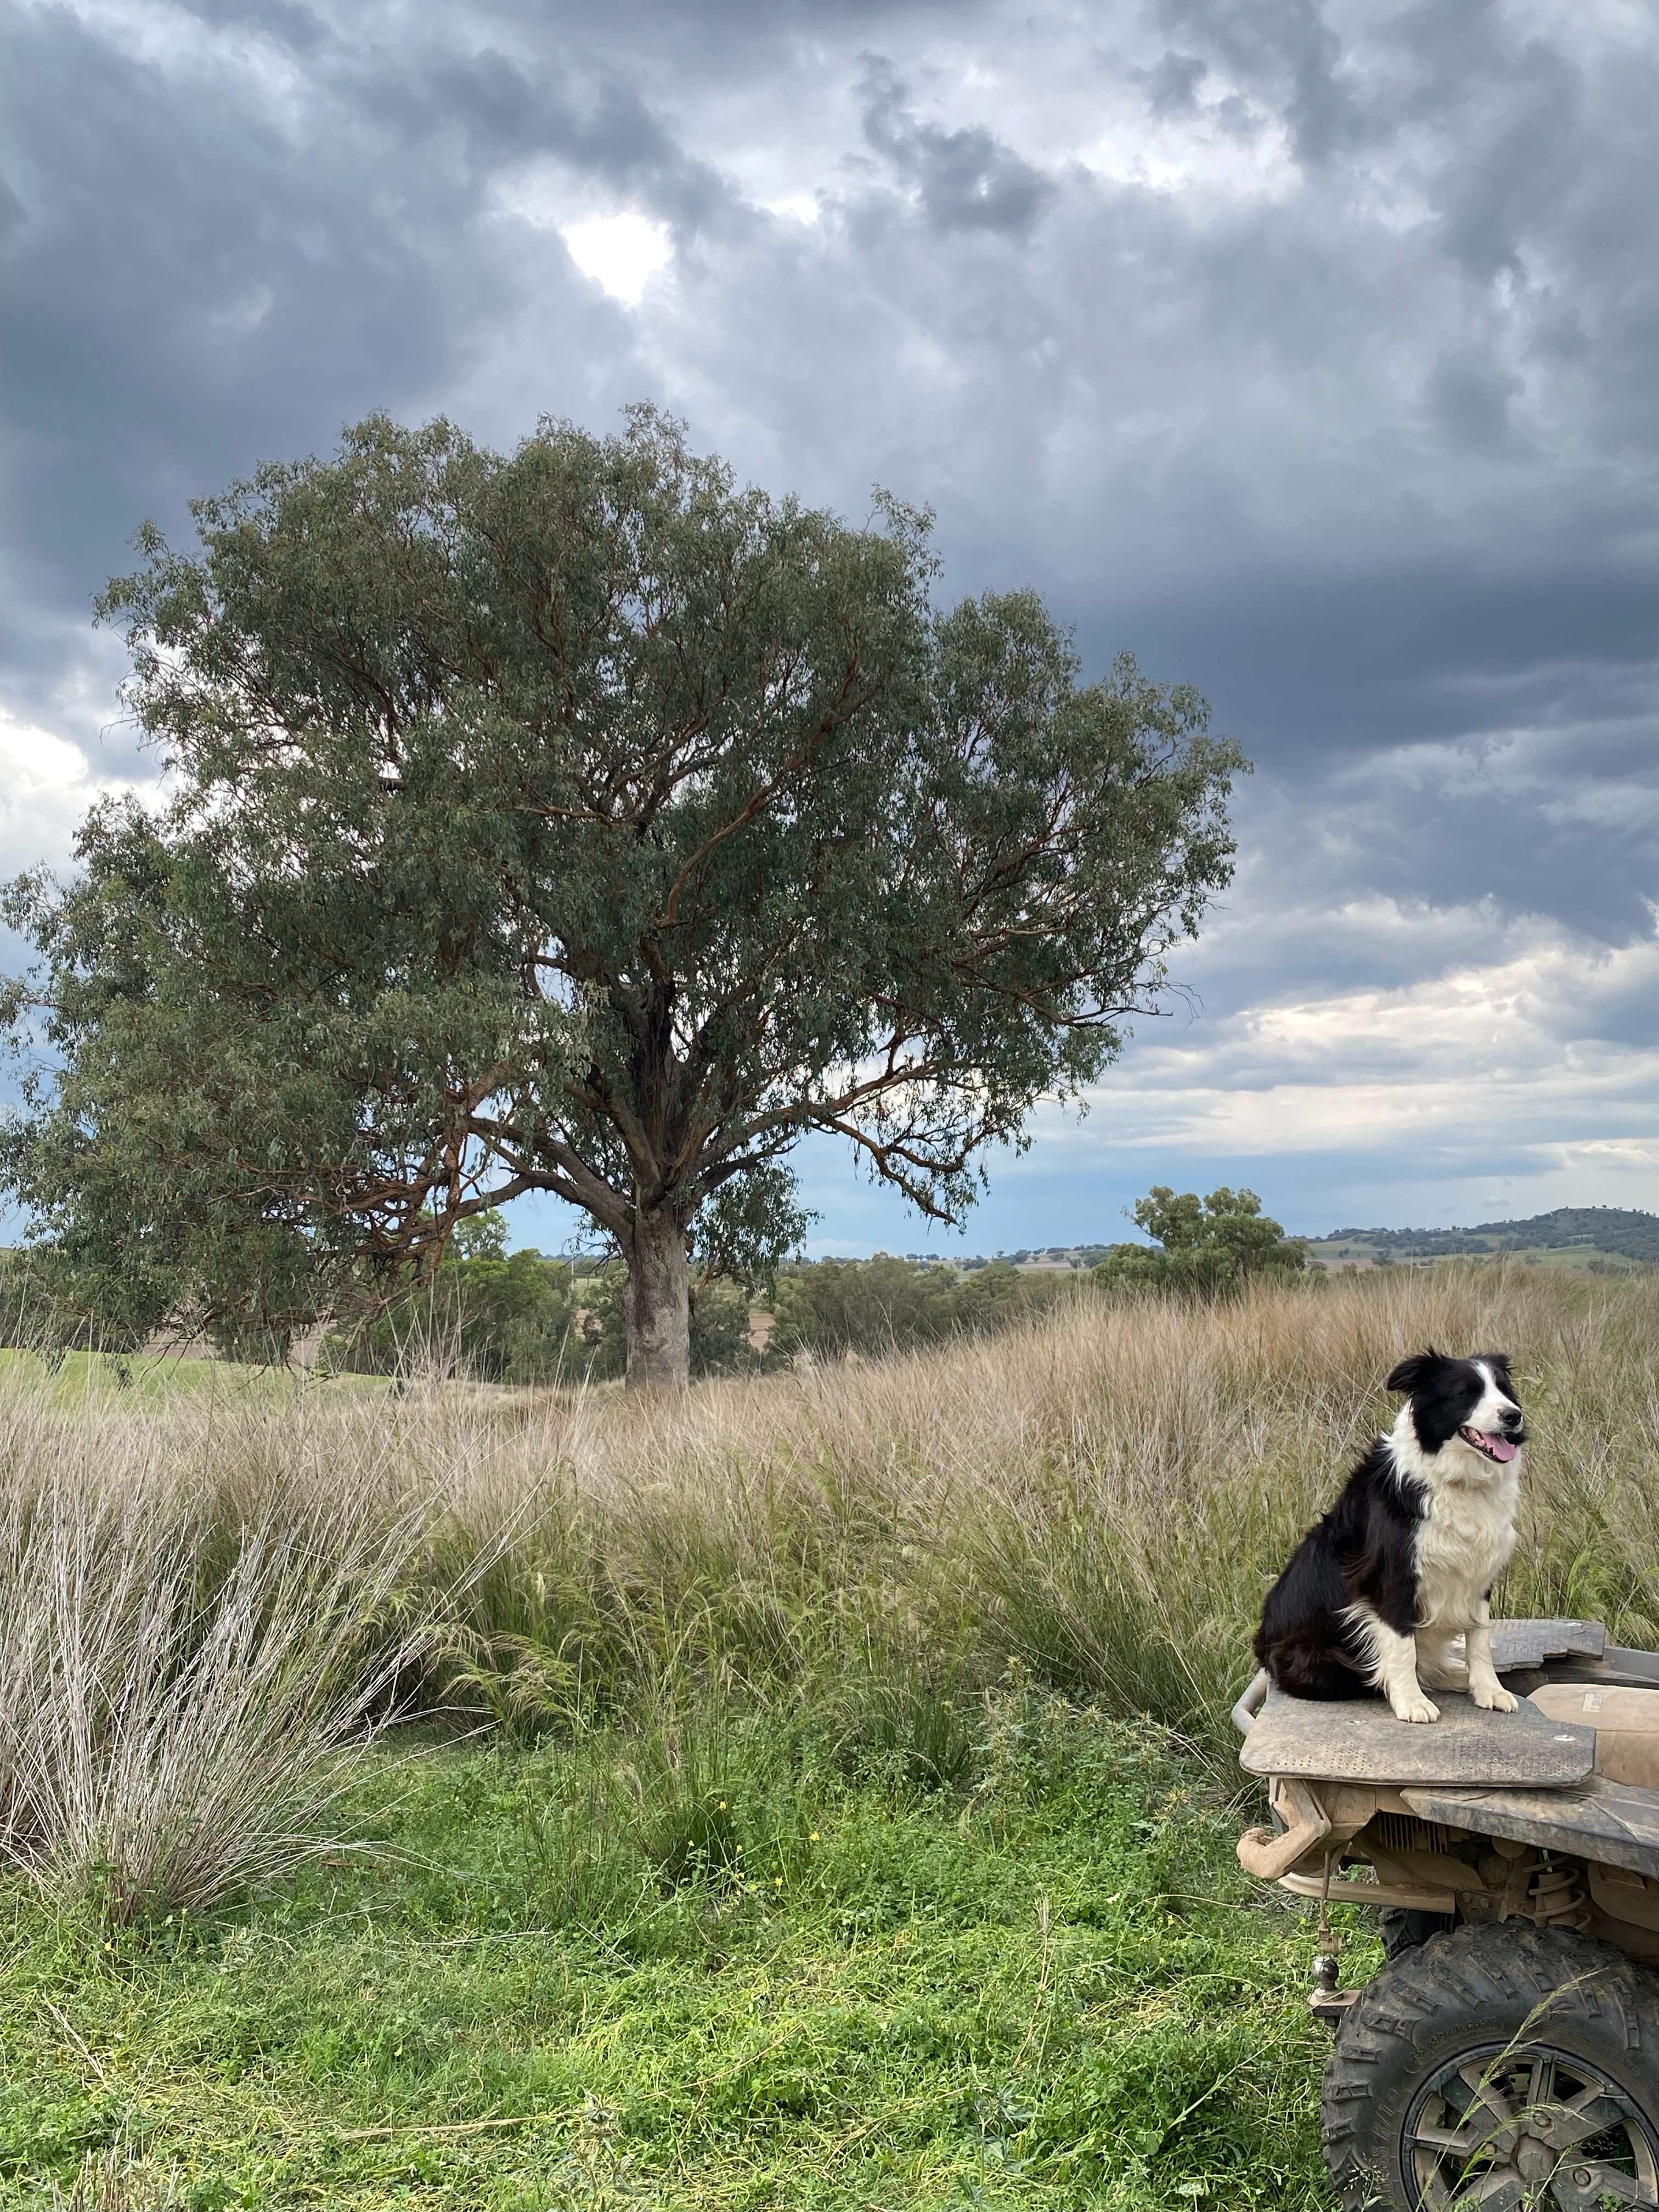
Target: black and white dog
[1405,1560]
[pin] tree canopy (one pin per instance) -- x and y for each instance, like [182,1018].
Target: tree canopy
[576,820]
[1207,1244]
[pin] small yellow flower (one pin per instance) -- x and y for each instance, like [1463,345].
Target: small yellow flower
[815,1837]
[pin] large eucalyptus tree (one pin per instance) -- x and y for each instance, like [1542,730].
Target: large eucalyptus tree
[573,821]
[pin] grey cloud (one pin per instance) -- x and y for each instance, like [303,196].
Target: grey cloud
[507,110]
[1516,174]
[1468,393]
[1237,117]
[966,179]
[1419,731]
[1286,51]
[281,20]
[182,269]
[1172,87]
[197,279]
[1514,112]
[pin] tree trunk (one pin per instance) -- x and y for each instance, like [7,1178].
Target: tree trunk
[656,1301]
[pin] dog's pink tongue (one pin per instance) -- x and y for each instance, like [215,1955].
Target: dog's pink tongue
[1500,1447]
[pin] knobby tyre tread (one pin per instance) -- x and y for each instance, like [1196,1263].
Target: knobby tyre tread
[1487,1981]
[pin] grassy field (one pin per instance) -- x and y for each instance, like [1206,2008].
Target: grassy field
[1582,1259]
[1052,1988]
[155,1381]
[830,1806]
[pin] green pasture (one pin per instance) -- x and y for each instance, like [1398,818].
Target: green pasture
[68,1379]
[701,1965]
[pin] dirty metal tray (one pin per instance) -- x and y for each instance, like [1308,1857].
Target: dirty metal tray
[1517,1643]
[1597,1820]
[1359,1739]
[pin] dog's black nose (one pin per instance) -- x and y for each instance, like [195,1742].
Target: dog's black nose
[1514,1420]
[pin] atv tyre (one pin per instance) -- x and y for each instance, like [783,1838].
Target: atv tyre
[1403,1930]
[1503,2066]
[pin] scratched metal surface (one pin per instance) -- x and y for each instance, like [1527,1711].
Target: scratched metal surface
[1360,1741]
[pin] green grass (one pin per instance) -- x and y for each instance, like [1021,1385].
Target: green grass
[154,1380]
[1576,1259]
[708,1963]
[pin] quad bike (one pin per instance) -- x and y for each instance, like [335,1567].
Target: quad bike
[1505,2056]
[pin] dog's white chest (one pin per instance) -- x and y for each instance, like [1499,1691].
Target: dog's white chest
[1463,1545]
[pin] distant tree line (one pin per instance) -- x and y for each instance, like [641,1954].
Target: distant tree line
[501,1317]
[522,1318]
[822,1309]
[884,1304]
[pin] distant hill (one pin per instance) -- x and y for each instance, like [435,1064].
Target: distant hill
[1609,1237]
[1571,1233]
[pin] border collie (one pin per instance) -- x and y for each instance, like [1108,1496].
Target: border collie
[1405,1560]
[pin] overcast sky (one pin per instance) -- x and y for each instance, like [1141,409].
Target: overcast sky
[1311,352]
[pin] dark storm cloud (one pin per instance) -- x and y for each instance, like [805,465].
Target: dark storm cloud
[295,27]
[1308,349]
[504,113]
[206,267]
[183,269]
[1465,736]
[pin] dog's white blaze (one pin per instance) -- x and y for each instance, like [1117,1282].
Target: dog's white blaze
[1487,1415]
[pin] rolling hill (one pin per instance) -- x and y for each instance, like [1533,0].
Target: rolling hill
[1574,1235]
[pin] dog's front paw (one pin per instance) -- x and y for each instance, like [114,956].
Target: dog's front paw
[1416,1709]
[1493,1698]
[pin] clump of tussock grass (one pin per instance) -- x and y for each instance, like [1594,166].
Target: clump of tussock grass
[1097,1498]
[182,1664]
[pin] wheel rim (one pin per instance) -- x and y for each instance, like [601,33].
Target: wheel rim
[1528,2128]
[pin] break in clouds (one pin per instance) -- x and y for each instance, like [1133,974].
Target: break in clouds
[1311,352]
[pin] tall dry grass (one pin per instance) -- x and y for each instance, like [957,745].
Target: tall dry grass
[1103,1495]
[1098,1498]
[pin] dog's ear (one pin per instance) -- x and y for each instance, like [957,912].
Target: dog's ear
[1412,1373]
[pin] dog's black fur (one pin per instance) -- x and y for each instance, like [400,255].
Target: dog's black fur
[1364,1551]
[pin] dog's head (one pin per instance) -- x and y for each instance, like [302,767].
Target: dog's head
[1468,1405]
